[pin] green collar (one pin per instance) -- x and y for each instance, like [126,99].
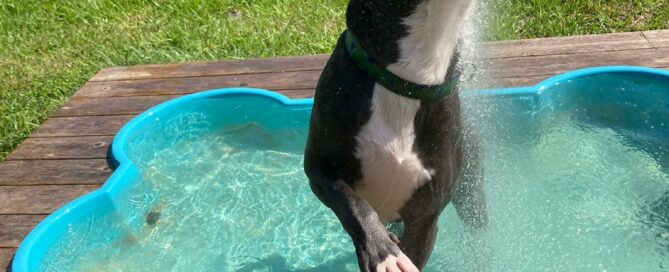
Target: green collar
[395,83]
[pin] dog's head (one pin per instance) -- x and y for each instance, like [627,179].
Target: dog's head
[379,25]
[410,43]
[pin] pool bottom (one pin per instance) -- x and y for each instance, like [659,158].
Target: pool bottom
[237,200]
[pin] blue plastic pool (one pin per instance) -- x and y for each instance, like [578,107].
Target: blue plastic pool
[577,179]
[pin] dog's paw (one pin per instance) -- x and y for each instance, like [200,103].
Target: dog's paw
[383,254]
[399,263]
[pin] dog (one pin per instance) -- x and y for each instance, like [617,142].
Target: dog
[385,142]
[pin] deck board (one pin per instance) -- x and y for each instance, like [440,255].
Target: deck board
[67,156]
[6,255]
[82,126]
[54,172]
[186,85]
[80,147]
[39,199]
[13,227]
[132,105]
[216,68]
[657,38]
[567,45]
[553,64]
[106,106]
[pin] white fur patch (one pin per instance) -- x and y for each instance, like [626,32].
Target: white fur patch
[426,52]
[391,169]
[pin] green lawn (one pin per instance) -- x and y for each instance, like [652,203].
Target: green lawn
[524,19]
[48,49]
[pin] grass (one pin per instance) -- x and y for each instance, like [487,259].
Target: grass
[48,49]
[525,19]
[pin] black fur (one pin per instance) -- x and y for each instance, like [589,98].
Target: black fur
[378,26]
[342,106]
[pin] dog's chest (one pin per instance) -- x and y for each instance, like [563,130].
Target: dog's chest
[391,170]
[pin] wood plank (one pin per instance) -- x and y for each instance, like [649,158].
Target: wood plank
[51,172]
[549,65]
[82,126]
[216,68]
[658,38]
[186,85]
[566,45]
[495,83]
[516,81]
[15,227]
[87,147]
[503,67]
[6,255]
[42,199]
[300,93]
[133,105]
[110,105]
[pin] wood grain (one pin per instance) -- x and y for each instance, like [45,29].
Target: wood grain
[515,81]
[50,172]
[133,105]
[14,227]
[298,93]
[82,126]
[186,85]
[216,68]
[85,147]
[554,64]
[110,105]
[566,45]
[658,38]
[39,199]
[6,255]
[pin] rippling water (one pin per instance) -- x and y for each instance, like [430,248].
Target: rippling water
[563,196]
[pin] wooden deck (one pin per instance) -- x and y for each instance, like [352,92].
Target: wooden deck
[66,157]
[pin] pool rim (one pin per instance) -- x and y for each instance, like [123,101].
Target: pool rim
[22,260]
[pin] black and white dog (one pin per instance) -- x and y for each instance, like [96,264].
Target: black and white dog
[386,143]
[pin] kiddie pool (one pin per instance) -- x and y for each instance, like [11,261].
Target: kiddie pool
[577,179]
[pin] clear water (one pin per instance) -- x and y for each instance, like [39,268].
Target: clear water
[562,196]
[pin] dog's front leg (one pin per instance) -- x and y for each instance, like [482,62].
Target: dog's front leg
[419,236]
[375,249]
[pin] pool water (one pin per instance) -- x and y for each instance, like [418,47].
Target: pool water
[567,190]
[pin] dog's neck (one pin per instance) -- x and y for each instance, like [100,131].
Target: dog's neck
[414,39]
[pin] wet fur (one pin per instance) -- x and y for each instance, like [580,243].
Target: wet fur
[373,156]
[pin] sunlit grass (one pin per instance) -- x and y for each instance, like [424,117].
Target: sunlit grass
[48,49]
[525,19]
